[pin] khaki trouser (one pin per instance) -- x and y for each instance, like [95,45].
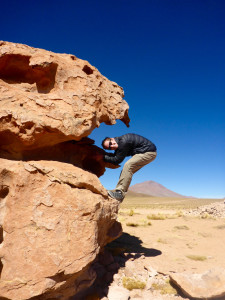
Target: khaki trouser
[134,164]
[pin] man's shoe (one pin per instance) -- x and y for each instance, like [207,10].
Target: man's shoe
[117,194]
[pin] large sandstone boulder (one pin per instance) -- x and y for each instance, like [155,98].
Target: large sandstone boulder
[54,220]
[49,98]
[55,216]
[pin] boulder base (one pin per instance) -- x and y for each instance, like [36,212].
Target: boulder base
[54,220]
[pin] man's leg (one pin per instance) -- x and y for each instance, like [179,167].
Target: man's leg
[134,164]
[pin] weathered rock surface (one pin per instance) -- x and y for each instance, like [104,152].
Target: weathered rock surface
[55,216]
[49,98]
[209,285]
[79,153]
[54,220]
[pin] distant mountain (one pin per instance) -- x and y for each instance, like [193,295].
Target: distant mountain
[153,188]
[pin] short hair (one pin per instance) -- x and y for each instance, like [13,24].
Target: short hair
[105,139]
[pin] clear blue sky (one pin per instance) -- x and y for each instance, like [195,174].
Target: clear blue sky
[168,55]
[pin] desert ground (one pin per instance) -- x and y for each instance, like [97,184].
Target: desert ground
[186,242]
[161,237]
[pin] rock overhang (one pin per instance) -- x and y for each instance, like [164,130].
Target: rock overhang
[51,100]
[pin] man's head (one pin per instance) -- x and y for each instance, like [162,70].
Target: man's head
[109,143]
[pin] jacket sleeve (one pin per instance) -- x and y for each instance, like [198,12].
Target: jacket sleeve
[118,156]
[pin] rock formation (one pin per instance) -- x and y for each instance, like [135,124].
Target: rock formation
[209,285]
[214,210]
[49,98]
[55,216]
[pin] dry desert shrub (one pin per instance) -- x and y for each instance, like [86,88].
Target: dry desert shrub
[131,212]
[205,234]
[142,222]
[207,216]
[164,288]
[180,213]
[197,257]
[191,245]
[174,216]
[132,224]
[156,217]
[182,227]
[132,283]
[220,227]
[162,241]
[146,223]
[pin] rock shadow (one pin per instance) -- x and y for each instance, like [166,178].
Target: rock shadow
[16,69]
[132,244]
[108,263]
[82,154]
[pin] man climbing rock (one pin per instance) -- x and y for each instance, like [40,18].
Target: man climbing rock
[142,151]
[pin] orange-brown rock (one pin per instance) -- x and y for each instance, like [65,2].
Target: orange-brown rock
[82,154]
[55,216]
[49,98]
[54,220]
[208,285]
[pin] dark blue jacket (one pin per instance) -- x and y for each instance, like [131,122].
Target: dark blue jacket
[128,145]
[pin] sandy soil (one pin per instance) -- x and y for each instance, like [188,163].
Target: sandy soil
[176,243]
[158,241]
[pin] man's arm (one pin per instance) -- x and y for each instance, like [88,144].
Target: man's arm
[118,156]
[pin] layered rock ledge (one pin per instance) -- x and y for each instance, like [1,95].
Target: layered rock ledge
[49,98]
[54,218]
[55,215]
